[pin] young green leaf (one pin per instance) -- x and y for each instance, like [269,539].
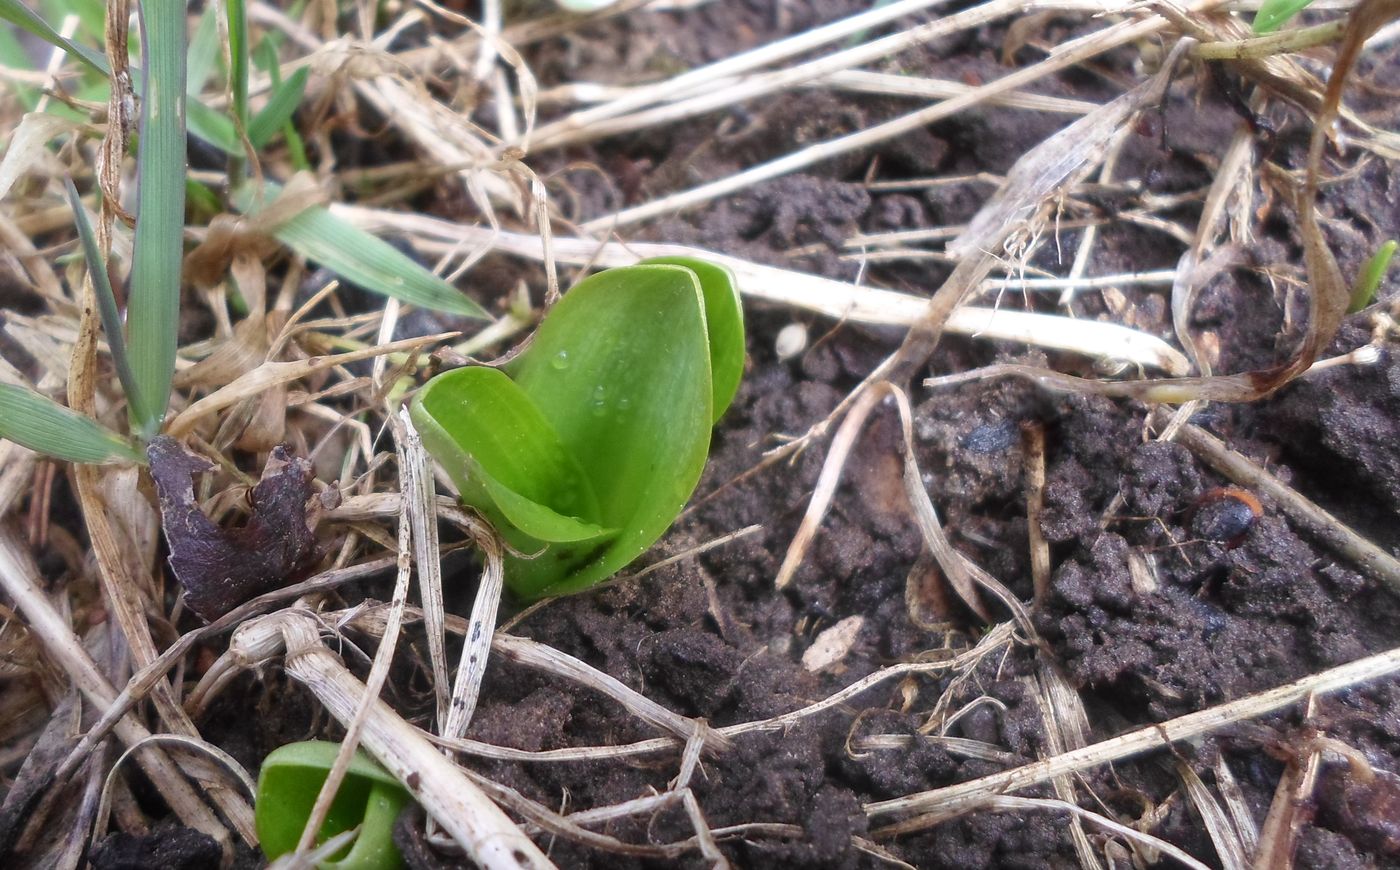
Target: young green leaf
[19,14]
[369,798]
[44,426]
[506,459]
[203,54]
[153,313]
[363,259]
[1363,292]
[1273,14]
[724,321]
[284,101]
[102,288]
[238,58]
[605,420]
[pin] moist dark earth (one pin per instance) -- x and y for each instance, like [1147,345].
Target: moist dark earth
[711,637]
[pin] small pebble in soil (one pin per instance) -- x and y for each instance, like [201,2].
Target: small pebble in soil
[791,341]
[1225,515]
[991,437]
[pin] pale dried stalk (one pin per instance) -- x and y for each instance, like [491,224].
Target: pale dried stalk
[21,580]
[149,676]
[379,670]
[487,835]
[865,81]
[1105,40]
[270,374]
[965,796]
[707,76]
[837,299]
[841,444]
[1020,805]
[541,657]
[728,93]
[1033,440]
[417,495]
[1223,836]
[1066,725]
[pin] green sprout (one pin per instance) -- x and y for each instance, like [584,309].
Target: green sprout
[1273,14]
[369,798]
[584,449]
[1368,280]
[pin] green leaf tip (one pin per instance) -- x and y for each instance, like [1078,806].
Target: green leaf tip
[1368,280]
[369,797]
[44,426]
[357,256]
[584,451]
[1273,14]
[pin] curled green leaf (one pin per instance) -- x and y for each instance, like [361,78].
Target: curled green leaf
[604,422]
[369,798]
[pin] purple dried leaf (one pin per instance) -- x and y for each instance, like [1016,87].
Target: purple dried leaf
[220,568]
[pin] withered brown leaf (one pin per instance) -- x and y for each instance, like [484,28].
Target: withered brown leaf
[220,568]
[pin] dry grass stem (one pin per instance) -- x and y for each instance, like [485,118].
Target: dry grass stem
[21,580]
[487,835]
[836,299]
[1309,516]
[965,796]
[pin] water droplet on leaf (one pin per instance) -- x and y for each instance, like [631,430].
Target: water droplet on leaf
[561,360]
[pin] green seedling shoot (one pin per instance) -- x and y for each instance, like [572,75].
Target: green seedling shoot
[584,449]
[369,798]
[1368,280]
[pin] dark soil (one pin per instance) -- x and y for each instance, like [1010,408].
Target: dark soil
[712,638]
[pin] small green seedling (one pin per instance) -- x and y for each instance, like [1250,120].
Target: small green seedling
[584,449]
[1368,280]
[369,798]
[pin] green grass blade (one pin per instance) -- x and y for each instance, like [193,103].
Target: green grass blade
[106,299]
[153,313]
[238,58]
[46,427]
[363,259]
[213,127]
[203,54]
[279,108]
[1273,14]
[20,15]
[1363,293]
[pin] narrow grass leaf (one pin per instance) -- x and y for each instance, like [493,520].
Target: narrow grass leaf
[1273,14]
[213,127]
[46,427]
[1363,292]
[204,52]
[153,313]
[19,14]
[238,58]
[278,111]
[106,299]
[362,258]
